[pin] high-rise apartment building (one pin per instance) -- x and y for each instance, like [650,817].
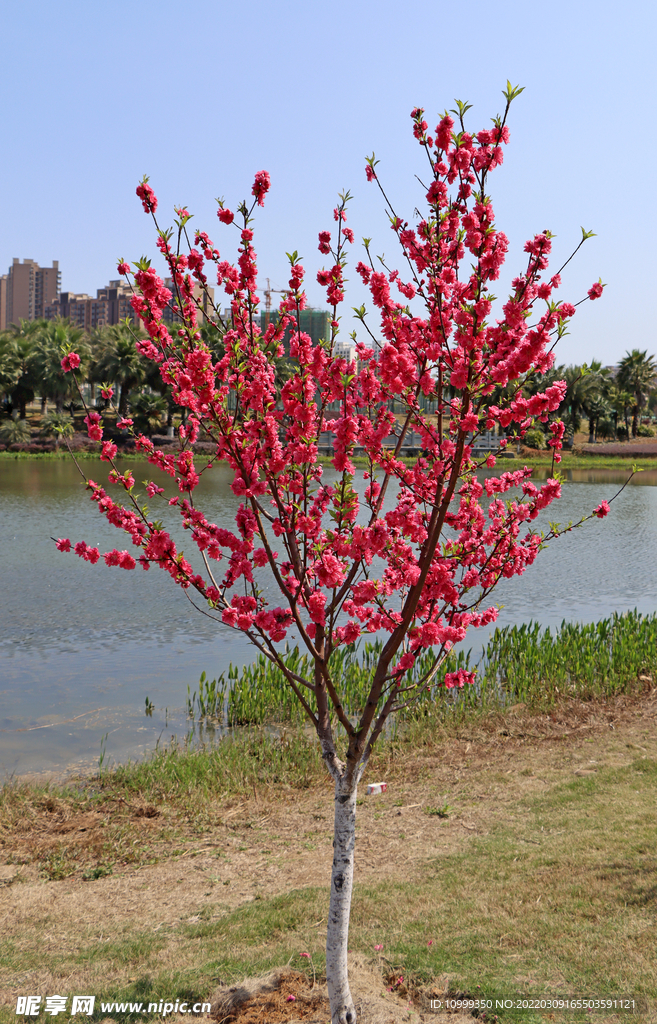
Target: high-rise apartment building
[26,289]
[315,322]
[116,297]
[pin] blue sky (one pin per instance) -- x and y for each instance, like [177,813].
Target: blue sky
[202,96]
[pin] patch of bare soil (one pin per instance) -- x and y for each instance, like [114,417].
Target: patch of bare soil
[287,997]
[273,998]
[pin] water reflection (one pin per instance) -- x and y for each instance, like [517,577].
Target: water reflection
[646,477]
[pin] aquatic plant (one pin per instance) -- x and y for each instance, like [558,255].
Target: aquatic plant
[526,663]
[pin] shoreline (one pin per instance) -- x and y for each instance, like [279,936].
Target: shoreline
[577,460]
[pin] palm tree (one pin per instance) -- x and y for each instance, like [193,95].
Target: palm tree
[55,338]
[620,401]
[10,370]
[119,362]
[578,392]
[17,347]
[153,380]
[148,410]
[57,425]
[637,373]
[594,403]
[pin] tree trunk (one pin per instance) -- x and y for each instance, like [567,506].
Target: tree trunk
[44,406]
[342,876]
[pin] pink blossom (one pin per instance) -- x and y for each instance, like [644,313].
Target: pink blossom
[108,451]
[260,557]
[566,310]
[261,186]
[63,544]
[444,132]
[316,604]
[225,215]
[459,679]
[601,510]
[324,241]
[595,291]
[94,429]
[123,268]
[330,572]
[70,362]
[147,196]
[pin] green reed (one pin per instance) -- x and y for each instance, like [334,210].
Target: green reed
[587,661]
[525,663]
[260,693]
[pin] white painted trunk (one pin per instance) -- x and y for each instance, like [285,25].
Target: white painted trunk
[342,876]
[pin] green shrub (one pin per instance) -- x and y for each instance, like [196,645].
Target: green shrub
[15,431]
[535,438]
[57,425]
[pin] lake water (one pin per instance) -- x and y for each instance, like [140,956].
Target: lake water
[82,646]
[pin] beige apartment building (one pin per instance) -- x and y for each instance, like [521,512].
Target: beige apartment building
[111,305]
[26,290]
[31,292]
[203,297]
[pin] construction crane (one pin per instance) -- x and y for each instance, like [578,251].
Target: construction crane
[267,292]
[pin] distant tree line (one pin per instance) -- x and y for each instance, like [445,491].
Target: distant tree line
[611,401]
[30,368]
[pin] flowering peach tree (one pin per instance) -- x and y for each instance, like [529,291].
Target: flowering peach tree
[412,553]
